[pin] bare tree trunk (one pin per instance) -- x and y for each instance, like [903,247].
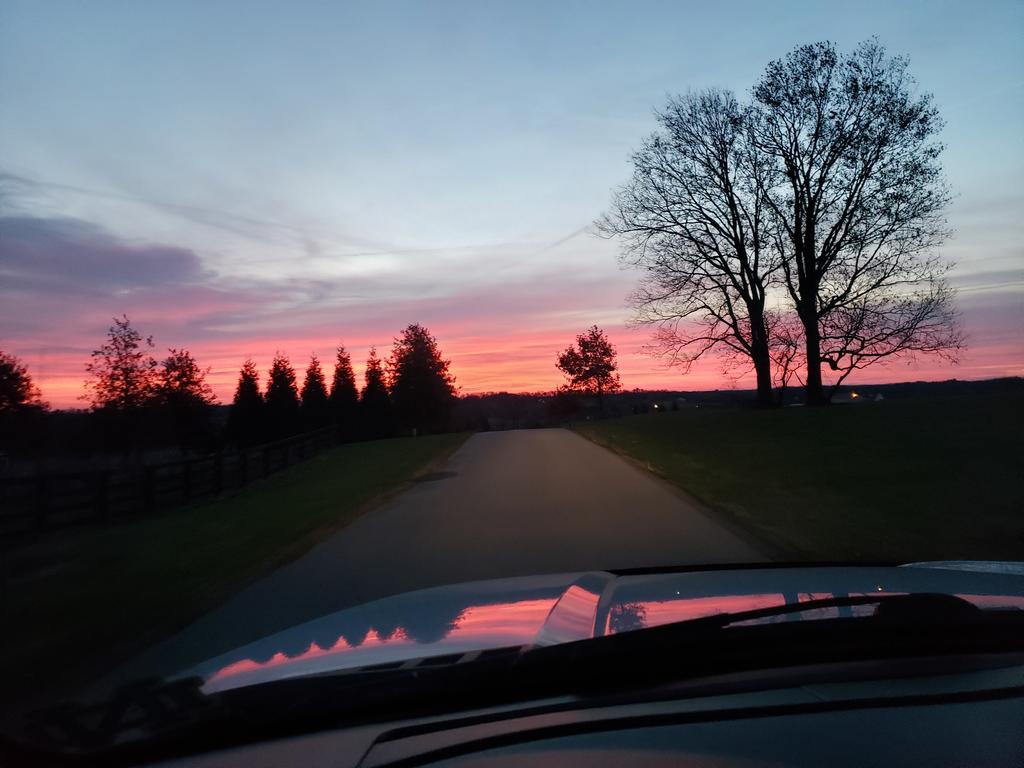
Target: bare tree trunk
[761,357]
[813,388]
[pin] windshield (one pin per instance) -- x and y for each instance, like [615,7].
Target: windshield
[339,336]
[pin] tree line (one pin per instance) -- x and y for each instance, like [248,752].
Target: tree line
[411,392]
[137,401]
[796,230]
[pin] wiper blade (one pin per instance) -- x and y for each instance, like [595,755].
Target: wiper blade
[923,608]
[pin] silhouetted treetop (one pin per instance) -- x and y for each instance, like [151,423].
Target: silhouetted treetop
[314,387]
[245,424]
[122,370]
[281,383]
[314,395]
[282,398]
[180,382]
[344,397]
[374,401]
[589,365]
[422,388]
[17,392]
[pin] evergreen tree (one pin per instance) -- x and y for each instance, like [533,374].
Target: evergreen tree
[245,421]
[315,412]
[375,402]
[344,399]
[282,399]
[422,389]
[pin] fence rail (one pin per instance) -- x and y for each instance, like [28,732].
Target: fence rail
[41,503]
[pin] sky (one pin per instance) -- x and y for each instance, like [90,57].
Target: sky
[242,178]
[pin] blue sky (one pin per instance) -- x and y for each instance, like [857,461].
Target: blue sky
[339,170]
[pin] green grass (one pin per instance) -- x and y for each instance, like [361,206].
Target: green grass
[73,606]
[895,480]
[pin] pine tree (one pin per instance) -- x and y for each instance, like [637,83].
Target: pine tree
[282,399]
[422,389]
[375,402]
[315,412]
[245,421]
[344,399]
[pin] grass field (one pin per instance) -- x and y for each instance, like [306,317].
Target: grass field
[893,480]
[74,605]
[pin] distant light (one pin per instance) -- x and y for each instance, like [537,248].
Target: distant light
[655,406]
[854,395]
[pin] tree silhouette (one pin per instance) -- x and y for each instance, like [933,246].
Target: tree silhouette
[344,398]
[422,389]
[17,392]
[315,412]
[245,421]
[121,370]
[181,399]
[23,417]
[694,219]
[375,403]
[590,365]
[856,194]
[282,398]
[181,383]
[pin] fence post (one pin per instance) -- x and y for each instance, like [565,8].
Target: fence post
[42,502]
[102,494]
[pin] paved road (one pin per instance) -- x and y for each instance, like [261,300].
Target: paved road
[505,504]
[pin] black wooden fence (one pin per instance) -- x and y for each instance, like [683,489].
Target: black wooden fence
[35,504]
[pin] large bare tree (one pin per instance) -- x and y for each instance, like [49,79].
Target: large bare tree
[857,197]
[694,219]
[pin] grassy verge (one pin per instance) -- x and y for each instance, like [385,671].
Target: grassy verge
[82,602]
[895,480]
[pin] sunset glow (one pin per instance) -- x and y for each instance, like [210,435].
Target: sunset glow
[468,208]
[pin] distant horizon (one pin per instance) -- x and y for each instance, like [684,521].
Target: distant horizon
[796,388]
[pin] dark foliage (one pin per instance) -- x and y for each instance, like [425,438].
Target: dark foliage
[22,410]
[315,409]
[375,416]
[122,372]
[344,398]
[282,399]
[422,389]
[589,365]
[181,400]
[246,420]
[17,392]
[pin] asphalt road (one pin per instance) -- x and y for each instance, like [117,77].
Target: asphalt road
[506,504]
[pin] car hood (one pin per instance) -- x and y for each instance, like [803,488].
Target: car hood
[415,627]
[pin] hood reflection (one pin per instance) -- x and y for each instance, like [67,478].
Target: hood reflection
[474,627]
[542,610]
